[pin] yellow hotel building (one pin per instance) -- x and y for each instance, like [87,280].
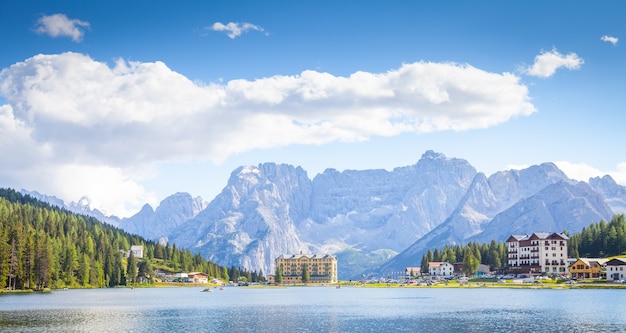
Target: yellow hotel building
[322,269]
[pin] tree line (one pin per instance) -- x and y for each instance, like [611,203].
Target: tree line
[471,255]
[43,246]
[598,240]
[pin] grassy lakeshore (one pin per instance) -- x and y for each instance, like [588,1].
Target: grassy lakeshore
[454,284]
[489,284]
[23,291]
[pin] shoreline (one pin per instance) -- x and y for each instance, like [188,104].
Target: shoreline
[346,284]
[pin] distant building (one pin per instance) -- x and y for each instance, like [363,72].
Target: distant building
[616,269]
[412,271]
[321,268]
[538,253]
[181,277]
[437,268]
[137,251]
[198,277]
[588,268]
[482,269]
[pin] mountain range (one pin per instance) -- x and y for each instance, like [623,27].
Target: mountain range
[374,221]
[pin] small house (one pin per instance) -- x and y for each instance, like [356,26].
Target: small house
[588,268]
[616,269]
[137,251]
[437,268]
[412,271]
[198,277]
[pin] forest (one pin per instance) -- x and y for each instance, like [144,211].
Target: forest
[471,255]
[43,246]
[598,240]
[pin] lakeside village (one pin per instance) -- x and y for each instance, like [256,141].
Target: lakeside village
[536,258]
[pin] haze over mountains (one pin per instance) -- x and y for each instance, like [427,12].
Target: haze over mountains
[373,220]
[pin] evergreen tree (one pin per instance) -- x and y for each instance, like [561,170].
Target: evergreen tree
[43,262]
[4,254]
[84,270]
[146,270]
[225,274]
[449,255]
[430,256]
[424,264]
[278,275]
[131,269]
[436,255]
[470,262]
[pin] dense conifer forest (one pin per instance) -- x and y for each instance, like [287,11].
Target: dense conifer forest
[471,255]
[43,246]
[598,240]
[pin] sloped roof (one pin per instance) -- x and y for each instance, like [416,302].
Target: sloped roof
[537,236]
[309,256]
[616,262]
[590,261]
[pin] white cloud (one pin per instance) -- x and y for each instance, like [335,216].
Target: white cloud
[582,171]
[547,63]
[609,39]
[68,115]
[234,29]
[59,25]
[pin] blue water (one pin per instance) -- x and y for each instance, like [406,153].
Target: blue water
[316,309]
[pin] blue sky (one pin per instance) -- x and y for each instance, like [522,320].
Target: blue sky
[128,102]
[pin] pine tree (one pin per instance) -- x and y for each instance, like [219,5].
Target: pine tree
[131,269]
[424,264]
[470,262]
[278,275]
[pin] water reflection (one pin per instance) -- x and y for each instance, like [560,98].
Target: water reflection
[315,309]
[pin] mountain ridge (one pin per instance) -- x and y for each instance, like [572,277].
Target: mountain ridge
[375,220]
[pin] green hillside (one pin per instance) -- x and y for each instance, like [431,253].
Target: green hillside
[42,246]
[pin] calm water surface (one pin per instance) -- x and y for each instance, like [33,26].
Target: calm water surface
[315,309]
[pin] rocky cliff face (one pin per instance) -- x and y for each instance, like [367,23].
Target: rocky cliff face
[613,193]
[563,205]
[366,217]
[171,213]
[271,209]
[253,219]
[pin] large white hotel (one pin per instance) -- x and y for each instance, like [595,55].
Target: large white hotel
[538,253]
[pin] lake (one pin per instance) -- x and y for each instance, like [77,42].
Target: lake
[316,309]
